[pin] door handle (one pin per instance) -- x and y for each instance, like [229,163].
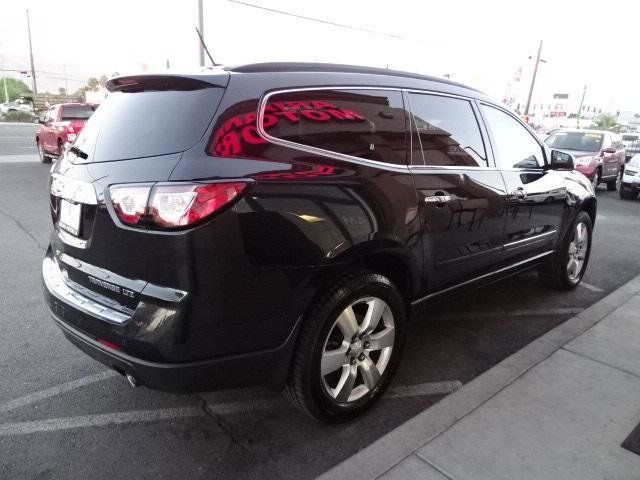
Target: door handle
[437,199]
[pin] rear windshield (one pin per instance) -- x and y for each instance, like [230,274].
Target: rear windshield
[579,141]
[77,112]
[148,123]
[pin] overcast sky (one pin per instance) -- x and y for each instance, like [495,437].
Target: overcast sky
[479,43]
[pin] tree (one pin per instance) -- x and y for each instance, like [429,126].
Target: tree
[605,122]
[15,89]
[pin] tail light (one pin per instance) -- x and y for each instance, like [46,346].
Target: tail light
[70,129]
[169,206]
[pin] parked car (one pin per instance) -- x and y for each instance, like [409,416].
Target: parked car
[631,142]
[275,224]
[18,105]
[599,155]
[61,124]
[630,186]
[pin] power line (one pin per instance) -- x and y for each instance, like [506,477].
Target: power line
[318,20]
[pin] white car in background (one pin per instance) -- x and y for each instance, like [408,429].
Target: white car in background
[630,184]
[18,105]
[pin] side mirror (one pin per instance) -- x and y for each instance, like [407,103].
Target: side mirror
[561,160]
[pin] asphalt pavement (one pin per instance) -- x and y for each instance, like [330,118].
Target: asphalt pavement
[62,415]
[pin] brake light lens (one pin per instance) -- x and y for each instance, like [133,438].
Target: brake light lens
[130,203]
[70,129]
[168,206]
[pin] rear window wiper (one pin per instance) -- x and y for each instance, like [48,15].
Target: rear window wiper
[79,153]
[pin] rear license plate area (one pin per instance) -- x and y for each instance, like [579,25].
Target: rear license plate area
[70,217]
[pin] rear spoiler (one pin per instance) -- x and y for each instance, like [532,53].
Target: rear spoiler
[155,82]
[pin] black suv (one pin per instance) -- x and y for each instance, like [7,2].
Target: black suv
[274,224]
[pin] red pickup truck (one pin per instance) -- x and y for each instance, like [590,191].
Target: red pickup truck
[62,123]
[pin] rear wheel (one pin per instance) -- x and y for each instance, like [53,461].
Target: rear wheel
[613,185]
[44,158]
[565,269]
[348,349]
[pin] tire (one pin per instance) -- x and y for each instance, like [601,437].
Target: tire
[357,374]
[44,158]
[612,185]
[627,194]
[560,272]
[595,181]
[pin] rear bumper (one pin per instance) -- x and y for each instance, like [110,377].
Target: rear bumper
[87,320]
[268,368]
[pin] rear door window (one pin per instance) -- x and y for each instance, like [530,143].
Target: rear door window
[368,124]
[445,132]
[148,123]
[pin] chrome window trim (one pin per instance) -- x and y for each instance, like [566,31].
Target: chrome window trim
[486,275]
[321,151]
[374,163]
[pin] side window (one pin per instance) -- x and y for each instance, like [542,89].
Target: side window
[51,115]
[368,124]
[513,145]
[445,132]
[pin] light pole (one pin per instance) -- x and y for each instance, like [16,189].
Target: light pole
[201,27]
[33,69]
[584,92]
[533,79]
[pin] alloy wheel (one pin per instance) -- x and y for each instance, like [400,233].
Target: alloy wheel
[577,251]
[357,349]
[595,180]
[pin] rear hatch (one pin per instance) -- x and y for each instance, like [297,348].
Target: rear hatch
[136,136]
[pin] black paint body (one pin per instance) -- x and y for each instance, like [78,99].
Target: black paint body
[219,305]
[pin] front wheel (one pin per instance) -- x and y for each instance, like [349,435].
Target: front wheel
[595,181]
[44,158]
[627,193]
[565,269]
[349,348]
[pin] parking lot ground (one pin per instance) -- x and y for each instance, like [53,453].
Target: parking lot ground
[561,407]
[51,427]
[17,142]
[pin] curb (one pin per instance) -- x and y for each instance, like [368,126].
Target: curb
[375,459]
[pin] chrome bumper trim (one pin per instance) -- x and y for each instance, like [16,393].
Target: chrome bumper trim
[54,281]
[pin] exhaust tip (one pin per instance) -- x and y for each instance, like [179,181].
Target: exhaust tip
[133,381]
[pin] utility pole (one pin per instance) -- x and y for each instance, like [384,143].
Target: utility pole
[201,28]
[33,69]
[533,79]
[584,92]
[66,82]
[4,78]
